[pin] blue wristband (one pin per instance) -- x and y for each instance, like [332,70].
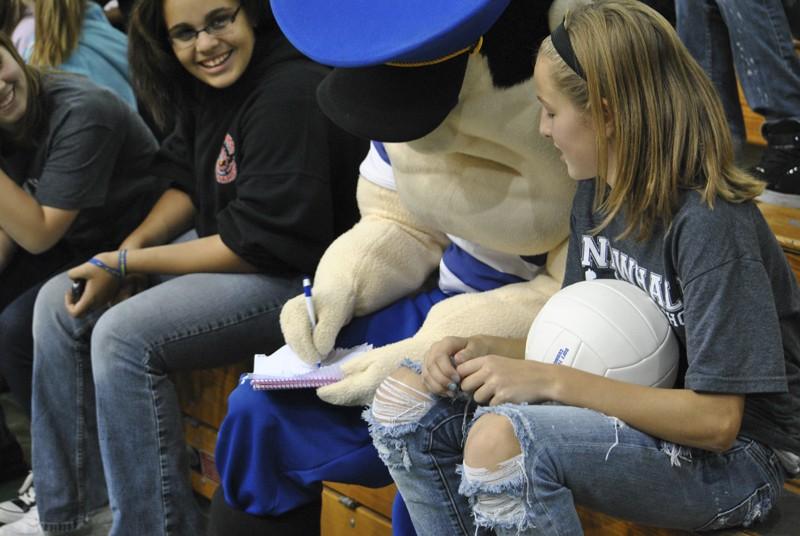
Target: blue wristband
[100,264]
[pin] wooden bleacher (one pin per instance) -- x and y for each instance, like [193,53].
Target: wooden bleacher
[353,510]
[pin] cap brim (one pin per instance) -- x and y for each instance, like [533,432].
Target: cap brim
[392,104]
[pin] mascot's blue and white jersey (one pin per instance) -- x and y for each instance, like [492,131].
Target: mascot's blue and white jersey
[465,266]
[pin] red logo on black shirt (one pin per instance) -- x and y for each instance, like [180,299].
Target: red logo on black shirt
[226,162]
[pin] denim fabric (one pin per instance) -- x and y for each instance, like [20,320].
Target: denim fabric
[19,283]
[750,38]
[7,439]
[16,346]
[574,455]
[105,410]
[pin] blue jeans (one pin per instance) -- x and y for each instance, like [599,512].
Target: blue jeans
[106,424]
[20,281]
[750,38]
[572,455]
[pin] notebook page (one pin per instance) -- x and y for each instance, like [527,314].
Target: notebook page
[284,363]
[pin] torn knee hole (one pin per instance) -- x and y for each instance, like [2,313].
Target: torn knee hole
[398,403]
[498,495]
[491,440]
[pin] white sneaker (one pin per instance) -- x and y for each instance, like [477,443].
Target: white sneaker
[27,525]
[15,509]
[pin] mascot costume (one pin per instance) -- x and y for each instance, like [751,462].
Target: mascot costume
[458,180]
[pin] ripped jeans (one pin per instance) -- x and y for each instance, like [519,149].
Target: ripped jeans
[569,455]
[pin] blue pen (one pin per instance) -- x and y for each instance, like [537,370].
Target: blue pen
[312,315]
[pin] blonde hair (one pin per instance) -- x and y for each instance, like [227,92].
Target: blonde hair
[58,27]
[668,126]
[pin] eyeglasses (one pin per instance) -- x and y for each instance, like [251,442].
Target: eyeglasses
[185,37]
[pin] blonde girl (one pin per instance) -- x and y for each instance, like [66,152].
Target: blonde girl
[661,205]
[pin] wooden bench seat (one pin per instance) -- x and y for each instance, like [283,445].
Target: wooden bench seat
[354,510]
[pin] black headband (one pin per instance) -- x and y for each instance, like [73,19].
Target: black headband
[563,46]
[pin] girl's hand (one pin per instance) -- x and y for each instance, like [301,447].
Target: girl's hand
[101,287]
[493,380]
[439,366]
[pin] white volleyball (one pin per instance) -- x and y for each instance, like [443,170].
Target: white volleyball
[606,327]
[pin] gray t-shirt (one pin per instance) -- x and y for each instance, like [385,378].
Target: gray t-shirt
[724,284]
[92,155]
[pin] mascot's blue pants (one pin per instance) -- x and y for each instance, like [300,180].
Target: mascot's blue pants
[276,447]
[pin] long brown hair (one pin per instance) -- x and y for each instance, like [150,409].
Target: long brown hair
[668,127]
[58,27]
[159,80]
[30,123]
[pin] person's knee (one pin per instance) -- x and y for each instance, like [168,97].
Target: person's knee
[491,441]
[494,474]
[400,402]
[49,308]
[401,399]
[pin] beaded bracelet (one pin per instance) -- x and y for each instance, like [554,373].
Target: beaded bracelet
[100,264]
[122,262]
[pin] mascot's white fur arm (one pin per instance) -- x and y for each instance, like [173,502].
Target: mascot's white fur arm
[388,254]
[484,175]
[507,311]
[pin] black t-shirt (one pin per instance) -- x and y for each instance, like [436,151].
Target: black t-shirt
[724,284]
[266,169]
[93,155]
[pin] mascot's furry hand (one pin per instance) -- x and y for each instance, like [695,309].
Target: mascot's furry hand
[505,312]
[363,374]
[386,255]
[334,310]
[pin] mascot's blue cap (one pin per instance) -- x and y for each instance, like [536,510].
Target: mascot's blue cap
[399,63]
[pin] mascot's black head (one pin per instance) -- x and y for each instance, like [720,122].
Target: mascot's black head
[404,98]
[510,45]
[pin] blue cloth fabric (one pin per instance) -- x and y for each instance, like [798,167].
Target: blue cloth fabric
[574,455]
[274,448]
[354,33]
[401,519]
[474,273]
[750,38]
[101,55]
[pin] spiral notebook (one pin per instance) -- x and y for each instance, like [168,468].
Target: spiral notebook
[284,370]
